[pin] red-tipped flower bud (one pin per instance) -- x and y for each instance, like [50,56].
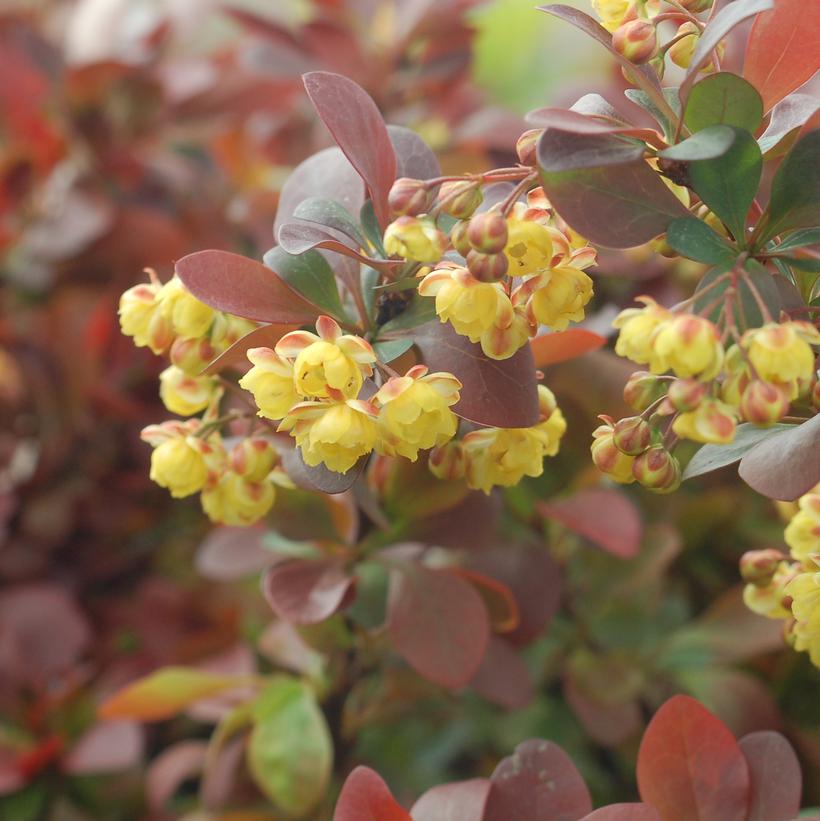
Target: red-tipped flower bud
[460,198]
[487,267]
[657,470]
[764,403]
[632,435]
[447,461]
[636,40]
[759,566]
[525,147]
[192,355]
[680,53]
[410,197]
[253,458]
[487,232]
[458,237]
[686,394]
[642,389]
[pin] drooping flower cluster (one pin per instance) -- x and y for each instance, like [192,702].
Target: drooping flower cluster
[788,587]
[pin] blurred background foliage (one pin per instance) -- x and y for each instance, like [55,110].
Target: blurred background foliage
[136,131]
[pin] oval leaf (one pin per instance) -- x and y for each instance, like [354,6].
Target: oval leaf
[460,801]
[787,117]
[353,119]
[438,623]
[290,752]
[690,766]
[785,466]
[574,121]
[365,797]
[694,239]
[414,158]
[503,677]
[708,144]
[538,782]
[330,213]
[301,591]
[561,346]
[568,150]
[775,775]
[318,477]
[723,99]
[238,285]
[264,336]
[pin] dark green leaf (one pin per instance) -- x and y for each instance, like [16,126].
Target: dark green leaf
[390,349]
[723,99]
[642,99]
[290,752]
[795,199]
[809,264]
[709,144]
[310,274]
[749,315]
[329,212]
[694,239]
[369,279]
[420,311]
[728,184]
[799,239]
[714,457]
[370,226]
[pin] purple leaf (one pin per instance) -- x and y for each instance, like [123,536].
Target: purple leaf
[503,678]
[229,553]
[776,782]
[460,801]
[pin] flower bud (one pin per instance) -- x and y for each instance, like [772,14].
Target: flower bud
[487,267]
[681,52]
[763,403]
[460,198]
[448,461]
[642,389]
[409,197]
[636,40]
[185,394]
[526,145]
[608,459]
[487,232]
[686,394]
[192,355]
[657,470]
[458,236]
[632,435]
[758,566]
[142,319]
[253,458]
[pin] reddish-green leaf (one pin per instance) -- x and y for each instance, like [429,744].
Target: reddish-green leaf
[264,336]
[365,797]
[776,782]
[501,605]
[438,623]
[577,123]
[460,801]
[624,812]
[498,393]
[538,782]
[414,158]
[353,119]
[690,768]
[607,518]
[166,693]
[302,591]
[561,346]
[783,50]
[318,477]
[785,466]
[786,119]
[564,150]
[299,237]
[503,677]
[242,286]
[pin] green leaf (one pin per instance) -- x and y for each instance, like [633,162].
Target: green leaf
[25,805]
[420,311]
[369,279]
[808,264]
[330,213]
[714,457]
[290,752]
[728,184]
[799,239]
[795,199]
[310,274]
[694,239]
[391,349]
[723,99]
[641,98]
[370,226]
[709,144]
[749,315]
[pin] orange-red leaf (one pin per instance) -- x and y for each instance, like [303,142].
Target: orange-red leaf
[549,349]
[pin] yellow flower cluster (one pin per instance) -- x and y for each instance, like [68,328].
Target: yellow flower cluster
[614,13]
[492,457]
[237,487]
[169,319]
[312,384]
[790,590]
[545,282]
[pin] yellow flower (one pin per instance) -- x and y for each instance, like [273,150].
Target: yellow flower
[141,318]
[337,434]
[502,456]
[737,378]
[608,459]
[415,412]
[529,243]
[804,591]
[767,600]
[552,425]
[683,50]
[184,394]
[236,501]
[557,297]
[712,422]
[448,461]
[414,239]
[612,13]
[782,353]
[188,316]
[253,458]
[271,382]
[638,327]
[180,460]
[510,332]
[331,365]
[690,345]
[802,533]
[472,307]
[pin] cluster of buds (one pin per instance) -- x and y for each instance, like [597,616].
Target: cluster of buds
[168,319]
[710,388]
[787,587]
[317,387]
[521,266]
[491,457]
